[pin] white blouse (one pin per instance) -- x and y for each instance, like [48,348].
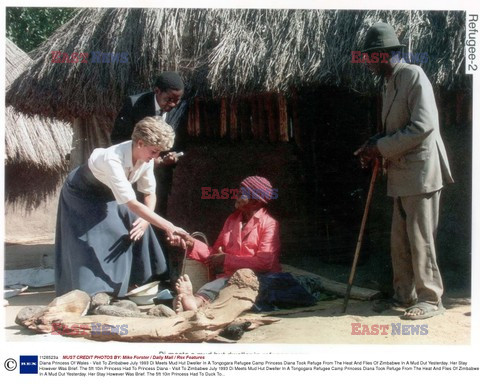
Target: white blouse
[114,167]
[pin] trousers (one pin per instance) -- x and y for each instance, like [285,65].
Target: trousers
[210,290]
[416,276]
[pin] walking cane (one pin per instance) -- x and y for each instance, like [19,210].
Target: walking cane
[360,236]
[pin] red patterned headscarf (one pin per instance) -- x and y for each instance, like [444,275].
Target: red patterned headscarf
[257,188]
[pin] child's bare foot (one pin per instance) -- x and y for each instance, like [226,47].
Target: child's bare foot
[189,302]
[184,285]
[177,304]
[185,302]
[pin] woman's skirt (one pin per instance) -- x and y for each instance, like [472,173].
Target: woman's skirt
[93,250]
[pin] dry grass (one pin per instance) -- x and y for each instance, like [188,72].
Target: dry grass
[273,50]
[223,52]
[35,147]
[33,140]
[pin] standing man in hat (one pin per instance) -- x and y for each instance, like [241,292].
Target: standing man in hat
[417,168]
[166,95]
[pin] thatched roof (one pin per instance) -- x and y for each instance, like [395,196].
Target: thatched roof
[155,40]
[35,141]
[35,147]
[223,52]
[268,50]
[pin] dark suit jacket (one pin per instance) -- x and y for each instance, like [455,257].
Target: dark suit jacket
[130,114]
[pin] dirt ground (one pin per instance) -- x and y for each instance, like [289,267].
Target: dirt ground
[316,326]
[331,326]
[322,324]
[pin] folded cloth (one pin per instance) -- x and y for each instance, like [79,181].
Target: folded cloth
[281,290]
[315,287]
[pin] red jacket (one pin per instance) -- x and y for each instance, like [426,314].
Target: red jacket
[256,246]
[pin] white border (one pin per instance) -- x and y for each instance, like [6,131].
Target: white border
[342,352]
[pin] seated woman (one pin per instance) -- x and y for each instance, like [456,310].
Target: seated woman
[104,241]
[250,238]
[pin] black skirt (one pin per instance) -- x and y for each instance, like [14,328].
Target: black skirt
[93,250]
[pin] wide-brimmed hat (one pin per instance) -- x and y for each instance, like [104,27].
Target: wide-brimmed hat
[381,36]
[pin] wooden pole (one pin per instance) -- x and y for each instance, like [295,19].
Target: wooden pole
[207,123]
[262,132]
[197,117]
[223,117]
[282,118]
[233,119]
[245,123]
[191,120]
[362,231]
[297,132]
[272,132]
[254,107]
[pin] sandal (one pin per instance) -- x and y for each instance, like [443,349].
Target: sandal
[427,311]
[387,304]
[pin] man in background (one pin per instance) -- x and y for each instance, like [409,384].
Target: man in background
[166,95]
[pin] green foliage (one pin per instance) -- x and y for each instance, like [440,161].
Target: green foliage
[30,27]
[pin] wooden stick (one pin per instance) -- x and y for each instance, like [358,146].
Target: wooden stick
[254,109]
[234,119]
[223,117]
[282,118]
[362,231]
[272,129]
[197,117]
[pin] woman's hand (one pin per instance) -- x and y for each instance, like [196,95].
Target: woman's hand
[179,231]
[138,229]
[176,236]
[189,240]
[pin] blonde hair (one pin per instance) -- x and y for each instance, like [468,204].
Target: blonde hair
[154,131]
